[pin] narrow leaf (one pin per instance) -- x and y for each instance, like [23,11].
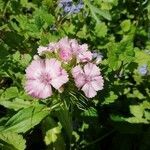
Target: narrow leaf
[26,119]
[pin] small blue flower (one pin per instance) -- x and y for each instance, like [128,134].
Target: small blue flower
[64,3]
[143,69]
[69,7]
[97,56]
[80,5]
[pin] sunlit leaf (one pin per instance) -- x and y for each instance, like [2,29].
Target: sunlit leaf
[11,141]
[26,119]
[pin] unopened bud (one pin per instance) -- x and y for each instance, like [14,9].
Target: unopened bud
[36,57]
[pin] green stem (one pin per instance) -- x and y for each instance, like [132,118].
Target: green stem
[5,8]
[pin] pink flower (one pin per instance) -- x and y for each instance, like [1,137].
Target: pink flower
[42,75]
[65,51]
[75,47]
[69,48]
[82,53]
[51,47]
[65,54]
[88,79]
[83,48]
[84,56]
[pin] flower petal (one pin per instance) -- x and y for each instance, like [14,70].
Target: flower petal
[58,81]
[65,54]
[52,66]
[74,46]
[37,89]
[84,56]
[64,44]
[98,83]
[83,48]
[35,69]
[91,70]
[76,71]
[80,80]
[88,90]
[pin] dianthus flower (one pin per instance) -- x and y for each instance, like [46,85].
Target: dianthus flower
[71,48]
[65,49]
[51,47]
[88,79]
[42,75]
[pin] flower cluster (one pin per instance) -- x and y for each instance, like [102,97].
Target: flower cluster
[44,74]
[69,7]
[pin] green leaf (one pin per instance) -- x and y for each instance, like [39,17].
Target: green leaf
[94,11]
[147,115]
[11,93]
[84,127]
[51,134]
[43,19]
[136,120]
[27,4]
[16,104]
[111,98]
[113,62]
[106,6]
[101,29]
[64,117]
[26,58]
[148,9]
[103,13]
[26,119]
[16,56]
[90,112]
[137,110]
[1,4]
[76,135]
[125,25]
[69,28]
[117,118]
[141,57]
[136,94]
[11,141]
[83,32]
[146,105]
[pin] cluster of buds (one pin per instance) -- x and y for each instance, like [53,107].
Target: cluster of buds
[58,62]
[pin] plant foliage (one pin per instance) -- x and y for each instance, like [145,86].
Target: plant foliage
[118,117]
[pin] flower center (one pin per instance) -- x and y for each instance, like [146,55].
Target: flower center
[88,79]
[45,78]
